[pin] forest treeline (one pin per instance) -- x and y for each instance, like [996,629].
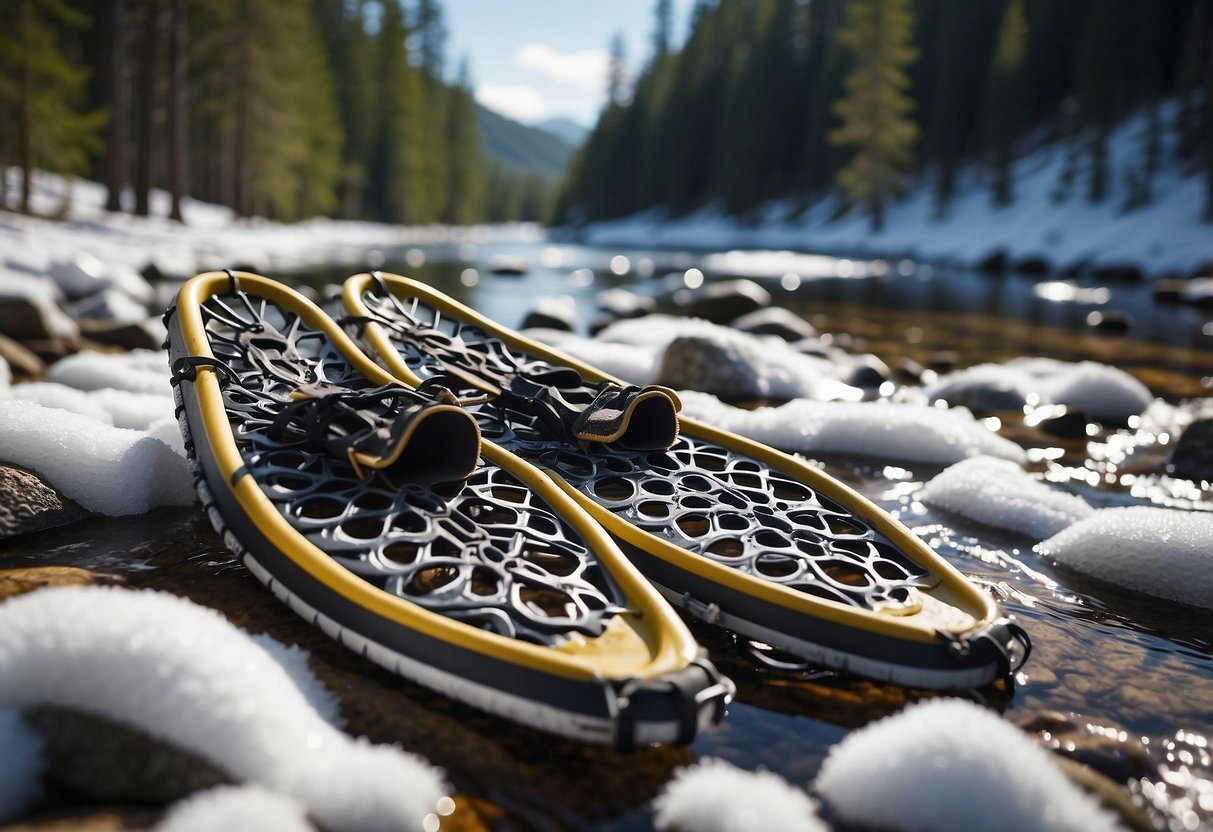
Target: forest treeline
[779,99]
[278,108]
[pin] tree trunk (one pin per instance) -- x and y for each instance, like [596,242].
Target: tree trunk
[113,88]
[177,106]
[145,168]
[25,148]
[1207,143]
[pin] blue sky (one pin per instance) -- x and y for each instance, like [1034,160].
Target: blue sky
[533,60]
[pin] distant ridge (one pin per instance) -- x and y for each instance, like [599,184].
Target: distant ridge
[564,128]
[521,149]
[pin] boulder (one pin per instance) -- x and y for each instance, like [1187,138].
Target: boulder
[710,365]
[27,504]
[1193,455]
[552,313]
[724,301]
[111,305]
[146,334]
[777,321]
[30,311]
[620,303]
[1059,421]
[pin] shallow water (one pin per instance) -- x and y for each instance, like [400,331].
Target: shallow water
[1122,682]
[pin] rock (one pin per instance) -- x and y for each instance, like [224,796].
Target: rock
[79,276]
[14,582]
[1117,271]
[1198,292]
[1034,265]
[27,504]
[1203,270]
[1192,458]
[1060,421]
[105,760]
[868,372]
[775,320]
[110,305]
[20,360]
[1110,320]
[29,309]
[710,365]
[552,313]
[725,301]
[943,361]
[993,263]
[910,370]
[509,265]
[147,334]
[1168,291]
[620,303]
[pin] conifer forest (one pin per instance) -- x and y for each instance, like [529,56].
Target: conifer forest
[296,108]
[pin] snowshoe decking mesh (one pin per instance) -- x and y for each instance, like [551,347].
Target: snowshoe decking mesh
[702,497]
[486,551]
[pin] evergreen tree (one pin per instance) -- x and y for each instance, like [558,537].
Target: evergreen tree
[617,72]
[111,29]
[662,29]
[1004,98]
[464,194]
[40,91]
[875,112]
[397,167]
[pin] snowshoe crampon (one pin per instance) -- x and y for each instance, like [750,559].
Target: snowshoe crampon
[734,532]
[376,513]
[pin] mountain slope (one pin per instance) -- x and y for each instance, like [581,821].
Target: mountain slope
[521,149]
[566,129]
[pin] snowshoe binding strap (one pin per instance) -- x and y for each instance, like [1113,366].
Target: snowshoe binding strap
[426,436]
[636,418]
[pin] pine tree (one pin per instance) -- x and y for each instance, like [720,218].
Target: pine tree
[617,72]
[875,111]
[397,164]
[40,89]
[464,194]
[1004,98]
[113,96]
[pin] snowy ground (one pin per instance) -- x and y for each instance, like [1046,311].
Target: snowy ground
[1163,238]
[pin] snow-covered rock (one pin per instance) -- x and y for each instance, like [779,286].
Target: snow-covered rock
[137,371]
[29,308]
[236,809]
[184,675]
[903,432]
[21,765]
[1166,553]
[105,469]
[948,764]
[110,305]
[715,796]
[998,493]
[83,275]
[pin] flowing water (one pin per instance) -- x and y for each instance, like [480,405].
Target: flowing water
[1116,680]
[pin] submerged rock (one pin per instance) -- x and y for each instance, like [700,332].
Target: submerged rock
[28,504]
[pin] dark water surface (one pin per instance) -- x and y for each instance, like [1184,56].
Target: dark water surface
[1112,674]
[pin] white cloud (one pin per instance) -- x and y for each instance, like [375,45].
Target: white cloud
[517,101]
[585,69]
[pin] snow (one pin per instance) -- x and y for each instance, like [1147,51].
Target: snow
[6,377]
[52,394]
[137,371]
[235,809]
[998,493]
[105,469]
[1164,237]
[948,764]
[21,765]
[82,275]
[1165,553]
[1103,392]
[715,796]
[184,675]
[134,410]
[904,432]
[42,294]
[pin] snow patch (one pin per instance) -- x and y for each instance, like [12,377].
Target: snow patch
[235,808]
[998,493]
[1166,553]
[715,796]
[904,432]
[134,410]
[52,394]
[109,470]
[184,675]
[137,371]
[21,765]
[948,764]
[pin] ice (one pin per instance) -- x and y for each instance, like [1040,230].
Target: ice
[105,469]
[715,796]
[184,675]
[998,493]
[903,432]
[948,764]
[235,808]
[137,371]
[21,765]
[1166,553]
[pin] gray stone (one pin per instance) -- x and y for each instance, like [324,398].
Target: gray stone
[552,313]
[27,504]
[775,320]
[724,301]
[1193,455]
[148,334]
[620,303]
[868,372]
[708,365]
